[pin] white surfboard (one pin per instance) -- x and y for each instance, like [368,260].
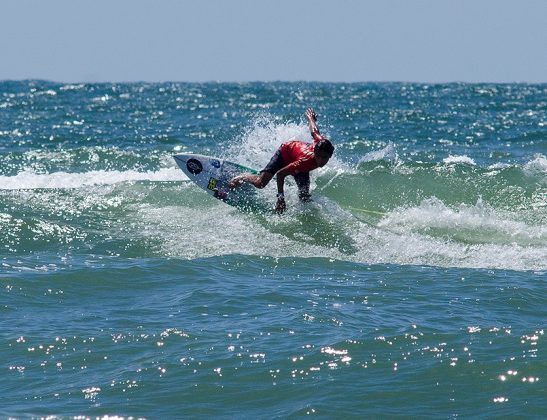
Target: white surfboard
[213,175]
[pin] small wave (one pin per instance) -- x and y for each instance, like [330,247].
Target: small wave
[72,87]
[499,165]
[64,180]
[388,153]
[537,167]
[455,160]
[48,92]
[477,223]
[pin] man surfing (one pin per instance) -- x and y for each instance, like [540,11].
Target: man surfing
[295,158]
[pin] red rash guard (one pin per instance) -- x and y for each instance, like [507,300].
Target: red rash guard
[299,156]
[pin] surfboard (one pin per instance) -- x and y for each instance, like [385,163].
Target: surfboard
[213,175]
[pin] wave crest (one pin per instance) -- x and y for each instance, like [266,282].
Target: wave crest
[64,180]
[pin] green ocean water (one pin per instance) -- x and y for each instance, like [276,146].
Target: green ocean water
[412,286]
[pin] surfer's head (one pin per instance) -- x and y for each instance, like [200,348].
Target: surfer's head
[323,151]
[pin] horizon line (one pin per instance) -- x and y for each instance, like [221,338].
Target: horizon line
[255,81]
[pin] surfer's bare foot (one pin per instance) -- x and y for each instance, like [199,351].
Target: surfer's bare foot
[220,194]
[235,182]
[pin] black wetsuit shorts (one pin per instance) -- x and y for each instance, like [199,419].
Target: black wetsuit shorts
[277,163]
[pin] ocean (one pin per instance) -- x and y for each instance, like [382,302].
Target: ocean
[413,285]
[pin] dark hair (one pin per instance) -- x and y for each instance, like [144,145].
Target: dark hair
[324,146]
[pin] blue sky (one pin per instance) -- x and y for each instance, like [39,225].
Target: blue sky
[248,40]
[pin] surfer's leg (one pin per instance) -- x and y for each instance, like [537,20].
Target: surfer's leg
[265,176]
[303,182]
[260,181]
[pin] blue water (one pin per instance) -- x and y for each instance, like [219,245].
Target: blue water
[414,285]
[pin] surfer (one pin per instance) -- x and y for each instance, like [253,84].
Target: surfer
[296,158]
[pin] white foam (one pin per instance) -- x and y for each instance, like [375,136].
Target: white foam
[326,231]
[388,153]
[474,223]
[67,180]
[263,137]
[537,167]
[499,165]
[49,92]
[455,160]
[72,87]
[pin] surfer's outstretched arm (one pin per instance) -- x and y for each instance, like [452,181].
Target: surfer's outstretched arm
[312,123]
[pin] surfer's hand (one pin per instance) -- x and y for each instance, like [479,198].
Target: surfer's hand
[280,206]
[310,115]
